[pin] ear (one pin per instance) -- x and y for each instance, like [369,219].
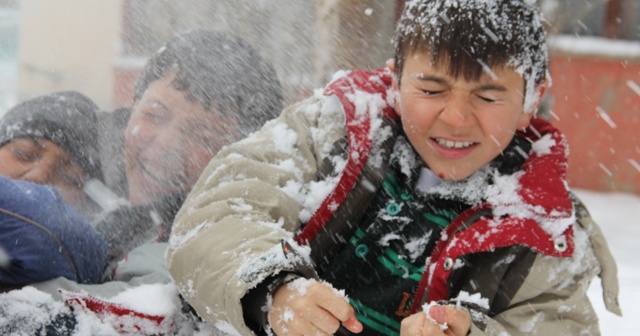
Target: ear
[540,90]
[525,117]
[391,64]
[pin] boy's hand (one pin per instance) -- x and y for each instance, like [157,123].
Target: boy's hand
[308,307]
[458,322]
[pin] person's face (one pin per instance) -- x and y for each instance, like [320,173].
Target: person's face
[457,126]
[42,161]
[168,142]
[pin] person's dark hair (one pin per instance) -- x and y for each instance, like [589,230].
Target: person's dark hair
[474,36]
[67,118]
[221,72]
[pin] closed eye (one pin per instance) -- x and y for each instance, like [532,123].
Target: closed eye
[24,156]
[487,99]
[152,116]
[430,92]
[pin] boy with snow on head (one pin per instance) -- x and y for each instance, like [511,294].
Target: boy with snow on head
[443,205]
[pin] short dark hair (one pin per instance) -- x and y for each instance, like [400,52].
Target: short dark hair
[472,35]
[221,72]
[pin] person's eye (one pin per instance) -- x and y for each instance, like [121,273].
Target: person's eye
[152,116]
[24,155]
[488,99]
[431,92]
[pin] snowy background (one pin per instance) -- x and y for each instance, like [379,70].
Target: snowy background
[618,215]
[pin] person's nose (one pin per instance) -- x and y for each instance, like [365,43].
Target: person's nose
[168,147]
[457,111]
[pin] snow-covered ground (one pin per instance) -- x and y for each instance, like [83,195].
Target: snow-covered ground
[619,217]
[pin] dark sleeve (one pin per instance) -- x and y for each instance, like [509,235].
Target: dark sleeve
[254,304]
[125,228]
[130,226]
[42,238]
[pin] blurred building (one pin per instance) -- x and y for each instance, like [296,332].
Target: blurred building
[9,21]
[98,47]
[595,97]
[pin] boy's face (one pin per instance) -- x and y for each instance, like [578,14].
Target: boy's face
[456,126]
[41,161]
[168,142]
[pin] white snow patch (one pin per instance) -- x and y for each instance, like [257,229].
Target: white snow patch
[255,268]
[384,241]
[284,138]
[226,328]
[30,306]
[474,299]
[416,246]
[543,145]
[157,299]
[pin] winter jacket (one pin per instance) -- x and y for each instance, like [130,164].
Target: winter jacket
[42,238]
[529,250]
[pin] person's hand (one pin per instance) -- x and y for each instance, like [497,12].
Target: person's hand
[458,322]
[308,307]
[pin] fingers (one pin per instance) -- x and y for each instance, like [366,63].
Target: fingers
[458,320]
[299,327]
[419,325]
[338,307]
[352,324]
[324,321]
[310,308]
[412,325]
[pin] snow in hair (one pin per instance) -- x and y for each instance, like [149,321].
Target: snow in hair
[486,30]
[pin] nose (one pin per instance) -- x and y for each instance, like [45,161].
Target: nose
[167,148]
[168,140]
[457,111]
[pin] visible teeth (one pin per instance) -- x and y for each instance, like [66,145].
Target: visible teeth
[453,144]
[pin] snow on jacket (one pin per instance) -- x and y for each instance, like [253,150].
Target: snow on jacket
[134,295]
[305,177]
[140,300]
[42,238]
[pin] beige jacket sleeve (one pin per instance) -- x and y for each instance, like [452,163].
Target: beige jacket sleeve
[553,299]
[227,236]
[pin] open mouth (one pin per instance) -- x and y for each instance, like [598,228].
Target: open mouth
[454,144]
